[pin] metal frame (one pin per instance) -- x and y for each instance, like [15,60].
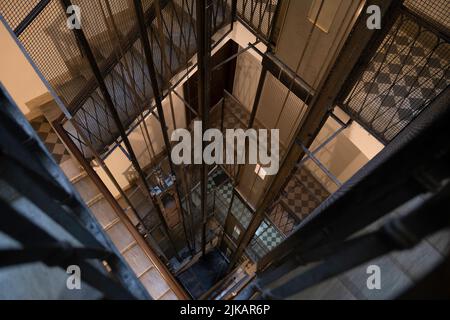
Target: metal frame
[377,114]
[204,71]
[56,196]
[112,109]
[317,114]
[423,177]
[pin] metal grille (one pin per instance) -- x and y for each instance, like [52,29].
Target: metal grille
[52,47]
[15,11]
[266,238]
[258,15]
[435,10]
[409,69]
[282,218]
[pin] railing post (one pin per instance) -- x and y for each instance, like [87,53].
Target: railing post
[84,43]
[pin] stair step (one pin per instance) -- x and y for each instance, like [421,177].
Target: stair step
[86,188]
[95,199]
[104,212]
[111,224]
[120,235]
[78,177]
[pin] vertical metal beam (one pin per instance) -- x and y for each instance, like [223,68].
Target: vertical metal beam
[273,28]
[318,111]
[84,43]
[234,10]
[203,10]
[157,93]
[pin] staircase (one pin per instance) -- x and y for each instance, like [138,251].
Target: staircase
[147,269]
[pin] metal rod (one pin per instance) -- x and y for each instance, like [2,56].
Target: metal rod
[203,10]
[319,164]
[158,100]
[262,80]
[157,94]
[79,33]
[234,56]
[30,17]
[184,102]
[68,142]
[322,145]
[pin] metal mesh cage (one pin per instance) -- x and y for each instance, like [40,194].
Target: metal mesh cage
[266,238]
[15,11]
[409,70]
[258,14]
[435,10]
[54,49]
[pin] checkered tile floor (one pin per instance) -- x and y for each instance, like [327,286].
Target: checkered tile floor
[268,235]
[410,68]
[238,209]
[301,196]
[50,139]
[303,193]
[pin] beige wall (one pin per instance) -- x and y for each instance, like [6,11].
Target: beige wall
[345,155]
[118,163]
[16,73]
[278,109]
[248,70]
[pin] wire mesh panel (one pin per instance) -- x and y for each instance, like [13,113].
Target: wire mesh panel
[112,33]
[258,14]
[51,45]
[15,11]
[434,10]
[409,69]
[282,218]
